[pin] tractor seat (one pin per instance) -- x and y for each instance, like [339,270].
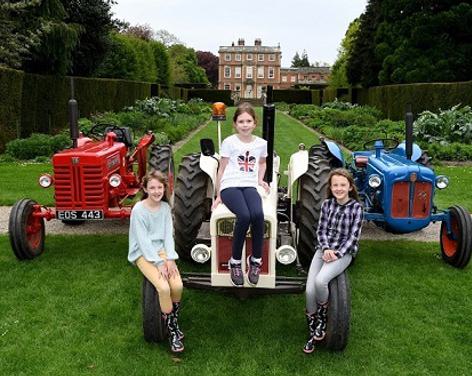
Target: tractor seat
[123,134]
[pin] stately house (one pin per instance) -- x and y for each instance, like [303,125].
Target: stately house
[247,70]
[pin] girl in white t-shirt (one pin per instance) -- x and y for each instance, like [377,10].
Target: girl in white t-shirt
[242,168]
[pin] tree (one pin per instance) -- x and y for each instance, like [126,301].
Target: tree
[166,38]
[209,62]
[144,32]
[95,20]
[161,57]
[183,65]
[338,77]
[300,62]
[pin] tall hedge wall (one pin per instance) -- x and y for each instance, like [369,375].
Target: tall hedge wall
[211,95]
[293,96]
[11,88]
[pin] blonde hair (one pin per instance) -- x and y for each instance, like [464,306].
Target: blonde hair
[344,173]
[160,177]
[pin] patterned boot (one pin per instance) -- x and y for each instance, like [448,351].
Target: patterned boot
[176,311]
[310,343]
[176,345]
[321,321]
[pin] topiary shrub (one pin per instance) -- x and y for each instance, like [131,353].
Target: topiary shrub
[37,145]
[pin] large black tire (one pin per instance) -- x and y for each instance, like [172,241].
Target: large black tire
[26,232]
[456,252]
[191,205]
[339,313]
[161,159]
[312,193]
[154,326]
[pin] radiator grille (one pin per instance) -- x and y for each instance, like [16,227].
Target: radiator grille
[411,199]
[225,227]
[79,186]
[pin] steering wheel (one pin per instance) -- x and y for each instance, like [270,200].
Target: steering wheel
[389,144]
[98,130]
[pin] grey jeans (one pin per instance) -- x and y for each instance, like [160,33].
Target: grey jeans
[319,276]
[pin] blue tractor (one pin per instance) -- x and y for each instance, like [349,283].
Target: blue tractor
[397,186]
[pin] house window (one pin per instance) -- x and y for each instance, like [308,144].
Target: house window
[248,72]
[227,57]
[272,57]
[284,78]
[237,72]
[249,57]
[237,57]
[271,72]
[227,86]
[237,87]
[260,57]
[292,79]
[260,72]
[227,72]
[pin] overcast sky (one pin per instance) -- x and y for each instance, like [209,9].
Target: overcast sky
[314,25]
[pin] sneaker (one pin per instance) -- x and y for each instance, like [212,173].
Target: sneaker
[254,271]
[236,272]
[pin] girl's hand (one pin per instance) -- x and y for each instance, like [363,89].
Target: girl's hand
[264,185]
[329,255]
[172,268]
[216,203]
[163,270]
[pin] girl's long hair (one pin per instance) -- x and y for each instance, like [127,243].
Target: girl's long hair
[345,173]
[160,177]
[245,107]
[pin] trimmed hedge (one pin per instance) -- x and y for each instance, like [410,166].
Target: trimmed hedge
[293,96]
[211,95]
[11,87]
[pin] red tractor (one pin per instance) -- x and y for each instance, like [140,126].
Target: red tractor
[92,181]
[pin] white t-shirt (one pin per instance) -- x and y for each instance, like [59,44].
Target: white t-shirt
[243,164]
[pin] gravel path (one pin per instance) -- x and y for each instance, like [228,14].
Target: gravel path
[369,231]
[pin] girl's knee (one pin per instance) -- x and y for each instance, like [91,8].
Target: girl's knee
[244,219]
[320,283]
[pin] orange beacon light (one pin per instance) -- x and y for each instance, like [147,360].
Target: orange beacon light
[218,111]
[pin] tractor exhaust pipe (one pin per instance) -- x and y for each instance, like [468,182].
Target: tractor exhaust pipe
[73,115]
[408,132]
[268,127]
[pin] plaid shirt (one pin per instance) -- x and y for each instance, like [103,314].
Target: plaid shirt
[340,226]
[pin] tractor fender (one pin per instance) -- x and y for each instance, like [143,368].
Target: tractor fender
[209,165]
[297,166]
[401,150]
[335,151]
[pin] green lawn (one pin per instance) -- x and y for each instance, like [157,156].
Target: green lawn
[77,311]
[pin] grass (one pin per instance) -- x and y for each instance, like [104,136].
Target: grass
[77,311]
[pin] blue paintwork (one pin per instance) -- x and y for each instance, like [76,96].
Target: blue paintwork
[335,151]
[401,150]
[392,167]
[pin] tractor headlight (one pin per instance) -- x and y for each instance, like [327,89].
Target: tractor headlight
[286,254]
[442,182]
[115,180]
[45,180]
[200,253]
[375,181]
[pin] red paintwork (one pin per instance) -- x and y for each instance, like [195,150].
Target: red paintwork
[400,199]
[449,246]
[223,254]
[33,228]
[422,200]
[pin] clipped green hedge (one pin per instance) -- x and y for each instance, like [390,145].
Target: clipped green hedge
[11,87]
[211,95]
[293,96]
[392,100]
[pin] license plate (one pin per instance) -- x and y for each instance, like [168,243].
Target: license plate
[80,215]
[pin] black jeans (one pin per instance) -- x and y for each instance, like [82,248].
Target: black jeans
[246,204]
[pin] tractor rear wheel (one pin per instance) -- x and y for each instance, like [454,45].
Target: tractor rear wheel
[26,231]
[154,326]
[161,159]
[456,250]
[192,204]
[312,193]
[339,313]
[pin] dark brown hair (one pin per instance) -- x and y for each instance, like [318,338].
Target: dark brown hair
[345,173]
[160,177]
[245,107]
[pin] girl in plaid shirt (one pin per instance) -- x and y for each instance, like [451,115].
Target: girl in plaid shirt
[338,234]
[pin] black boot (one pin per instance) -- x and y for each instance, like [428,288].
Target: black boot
[310,343]
[176,311]
[175,343]
[321,320]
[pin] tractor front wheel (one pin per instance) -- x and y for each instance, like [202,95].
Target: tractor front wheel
[154,326]
[26,230]
[339,313]
[456,248]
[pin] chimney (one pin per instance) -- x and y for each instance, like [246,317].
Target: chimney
[240,42]
[258,42]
